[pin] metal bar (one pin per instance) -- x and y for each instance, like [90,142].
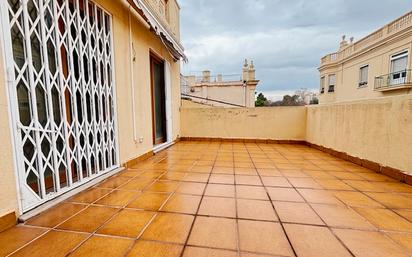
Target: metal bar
[212,100]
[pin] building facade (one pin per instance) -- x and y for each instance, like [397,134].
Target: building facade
[217,92]
[375,66]
[86,86]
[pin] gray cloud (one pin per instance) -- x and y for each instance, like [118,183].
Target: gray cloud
[286,39]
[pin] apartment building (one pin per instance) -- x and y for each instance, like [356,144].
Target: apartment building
[73,74]
[222,91]
[375,66]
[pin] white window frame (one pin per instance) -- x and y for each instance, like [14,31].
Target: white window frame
[363,84]
[331,84]
[403,74]
[322,84]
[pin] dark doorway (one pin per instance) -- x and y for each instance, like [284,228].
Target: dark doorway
[158,99]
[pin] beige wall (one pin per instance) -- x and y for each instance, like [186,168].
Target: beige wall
[378,130]
[282,123]
[377,55]
[232,94]
[8,192]
[144,41]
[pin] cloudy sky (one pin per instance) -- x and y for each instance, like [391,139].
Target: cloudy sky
[285,38]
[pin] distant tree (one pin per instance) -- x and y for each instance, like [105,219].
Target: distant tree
[314,101]
[288,100]
[261,100]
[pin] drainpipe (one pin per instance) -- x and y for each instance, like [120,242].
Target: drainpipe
[132,60]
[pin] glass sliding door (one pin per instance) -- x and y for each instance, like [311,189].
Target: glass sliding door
[158,100]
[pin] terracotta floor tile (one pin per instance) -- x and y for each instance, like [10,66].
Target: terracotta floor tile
[294,173]
[314,241]
[222,179]
[103,247]
[155,249]
[223,230]
[356,199]
[284,194]
[130,173]
[164,186]
[392,200]
[113,182]
[241,171]
[297,213]
[239,164]
[247,180]
[255,210]
[333,184]
[220,190]
[269,172]
[403,239]
[396,187]
[376,177]
[276,182]
[217,169]
[89,219]
[191,188]
[149,201]
[342,217]
[56,215]
[315,173]
[263,237]
[182,204]
[369,244]
[217,206]
[365,186]
[191,251]
[201,169]
[137,184]
[407,214]
[127,223]
[251,192]
[16,237]
[90,195]
[196,177]
[169,227]
[118,198]
[345,175]
[304,183]
[319,196]
[62,242]
[254,255]
[385,219]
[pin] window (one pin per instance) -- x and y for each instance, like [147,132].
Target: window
[322,85]
[363,76]
[332,82]
[399,65]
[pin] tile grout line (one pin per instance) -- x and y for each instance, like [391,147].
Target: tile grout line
[271,202]
[311,207]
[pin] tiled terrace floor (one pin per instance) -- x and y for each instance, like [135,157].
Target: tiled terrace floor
[201,199]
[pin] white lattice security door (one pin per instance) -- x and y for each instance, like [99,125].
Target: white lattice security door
[62,94]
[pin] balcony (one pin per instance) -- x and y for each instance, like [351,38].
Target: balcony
[222,198]
[244,182]
[394,81]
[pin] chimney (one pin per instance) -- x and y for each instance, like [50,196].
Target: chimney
[245,71]
[206,76]
[219,78]
[252,71]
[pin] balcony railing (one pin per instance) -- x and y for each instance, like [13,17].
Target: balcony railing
[395,80]
[331,89]
[379,35]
